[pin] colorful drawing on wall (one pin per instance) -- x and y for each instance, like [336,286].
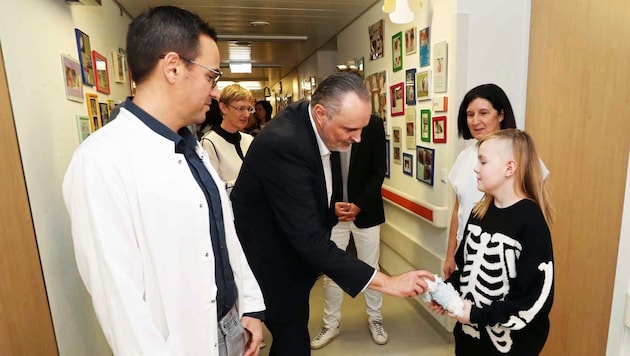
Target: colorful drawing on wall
[410,126]
[425,45]
[118,61]
[425,125]
[411,43]
[397,144]
[376,40]
[440,65]
[439,129]
[397,56]
[377,86]
[424,167]
[93,111]
[84,127]
[423,85]
[410,86]
[85,57]
[407,164]
[396,93]
[72,78]
[102,72]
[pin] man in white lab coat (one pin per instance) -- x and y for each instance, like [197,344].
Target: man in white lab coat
[152,225]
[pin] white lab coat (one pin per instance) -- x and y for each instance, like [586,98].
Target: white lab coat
[140,227]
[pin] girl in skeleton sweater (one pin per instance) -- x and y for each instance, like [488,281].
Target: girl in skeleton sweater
[505,260]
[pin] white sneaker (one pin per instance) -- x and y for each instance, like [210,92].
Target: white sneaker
[324,337]
[379,335]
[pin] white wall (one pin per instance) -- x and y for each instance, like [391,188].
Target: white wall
[618,332]
[33,34]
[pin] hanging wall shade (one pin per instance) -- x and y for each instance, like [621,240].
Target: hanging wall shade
[398,10]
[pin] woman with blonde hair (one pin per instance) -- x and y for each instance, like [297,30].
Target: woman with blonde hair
[225,144]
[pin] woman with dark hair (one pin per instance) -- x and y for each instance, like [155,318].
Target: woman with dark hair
[485,109]
[260,118]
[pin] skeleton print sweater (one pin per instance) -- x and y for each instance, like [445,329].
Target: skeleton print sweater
[505,268]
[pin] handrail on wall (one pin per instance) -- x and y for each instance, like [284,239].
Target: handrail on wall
[436,215]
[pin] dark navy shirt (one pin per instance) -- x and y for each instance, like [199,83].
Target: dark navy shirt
[186,143]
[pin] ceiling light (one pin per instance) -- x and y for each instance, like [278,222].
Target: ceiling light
[270,38]
[240,67]
[249,85]
[400,13]
[259,23]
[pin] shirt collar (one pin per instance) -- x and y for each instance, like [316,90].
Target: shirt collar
[323,150]
[181,139]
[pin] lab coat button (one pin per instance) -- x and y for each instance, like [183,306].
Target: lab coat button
[180,161]
[212,301]
[206,254]
[201,205]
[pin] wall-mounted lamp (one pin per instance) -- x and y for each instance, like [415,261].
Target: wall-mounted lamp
[399,11]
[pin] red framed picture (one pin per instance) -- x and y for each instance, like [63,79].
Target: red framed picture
[397,96]
[439,129]
[101,73]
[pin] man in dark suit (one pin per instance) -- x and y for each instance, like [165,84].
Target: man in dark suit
[360,213]
[283,211]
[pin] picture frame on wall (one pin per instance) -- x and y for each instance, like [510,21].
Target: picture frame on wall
[118,67]
[425,125]
[84,127]
[102,72]
[411,42]
[410,86]
[440,67]
[425,47]
[439,129]
[397,48]
[85,57]
[410,127]
[104,110]
[72,78]
[397,144]
[407,164]
[93,109]
[360,63]
[376,40]
[387,155]
[425,164]
[377,86]
[396,94]
[423,85]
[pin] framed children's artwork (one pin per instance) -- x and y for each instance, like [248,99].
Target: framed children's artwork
[424,167]
[425,45]
[439,129]
[387,158]
[120,73]
[83,127]
[376,40]
[407,164]
[440,65]
[411,43]
[377,86]
[410,86]
[110,105]
[410,126]
[423,85]
[396,94]
[397,56]
[425,125]
[72,78]
[397,155]
[93,111]
[104,109]
[102,72]
[85,57]
[397,143]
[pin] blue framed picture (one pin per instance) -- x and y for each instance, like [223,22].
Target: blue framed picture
[410,86]
[426,162]
[425,51]
[407,164]
[387,159]
[85,57]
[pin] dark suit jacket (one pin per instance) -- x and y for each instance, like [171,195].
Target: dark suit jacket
[366,174]
[283,218]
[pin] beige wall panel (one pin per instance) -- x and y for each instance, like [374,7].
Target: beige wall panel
[25,322]
[578,110]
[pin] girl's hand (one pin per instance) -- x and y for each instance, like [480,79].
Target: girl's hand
[436,307]
[465,319]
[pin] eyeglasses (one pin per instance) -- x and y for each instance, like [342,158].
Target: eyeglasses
[212,79]
[241,109]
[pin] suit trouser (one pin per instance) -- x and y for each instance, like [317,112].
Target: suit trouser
[290,337]
[367,242]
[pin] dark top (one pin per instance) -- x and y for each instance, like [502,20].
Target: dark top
[505,267]
[283,217]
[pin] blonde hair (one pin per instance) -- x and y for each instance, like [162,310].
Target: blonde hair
[235,92]
[529,178]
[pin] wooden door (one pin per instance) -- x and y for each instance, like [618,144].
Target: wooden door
[25,321]
[578,111]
